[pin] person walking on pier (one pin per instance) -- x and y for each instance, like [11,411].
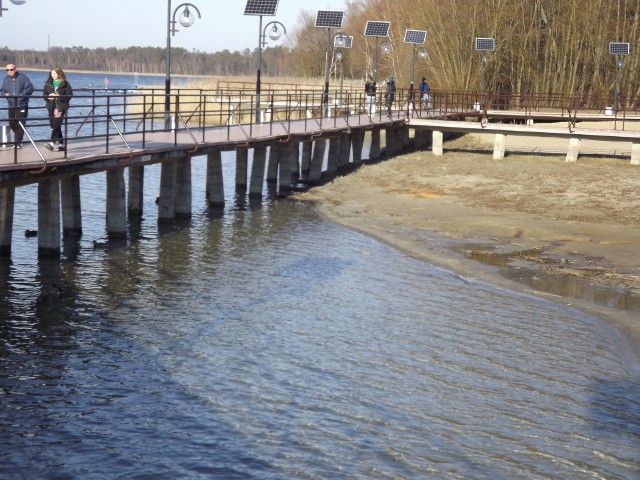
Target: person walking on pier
[425,90]
[390,94]
[17,87]
[370,91]
[57,93]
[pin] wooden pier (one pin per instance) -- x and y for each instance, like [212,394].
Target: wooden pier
[289,148]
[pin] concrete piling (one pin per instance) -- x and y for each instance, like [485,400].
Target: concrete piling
[136,190]
[183,187]
[49,217]
[317,159]
[257,171]
[7,201]
[116,204]
[215,181]
[374,149]
[242,168]
[167,198]
[71,206]
[437,141]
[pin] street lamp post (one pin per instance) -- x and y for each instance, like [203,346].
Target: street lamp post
[378,30]
[186,19]
[274,34]
[340,42]
[415,37]
[619,49]
[15,2]
[328,19]
[484,45]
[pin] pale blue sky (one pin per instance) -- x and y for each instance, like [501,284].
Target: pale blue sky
[123,23]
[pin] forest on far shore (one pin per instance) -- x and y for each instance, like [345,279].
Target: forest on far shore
[558,47]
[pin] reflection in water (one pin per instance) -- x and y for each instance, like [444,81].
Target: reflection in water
[262,342]
[566,285]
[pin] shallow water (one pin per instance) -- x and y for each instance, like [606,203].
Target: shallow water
[263,342]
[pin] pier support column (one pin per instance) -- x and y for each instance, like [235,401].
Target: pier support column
[136,190]
[167,198]
[499,146]
[116,204]
[274,159]
[374,149]
[215,180]
[317,160]
[635,154]
[436,143]
[305,165]
[334,153]
[294,161]
[574,150]
[390,141]
[7,201]
[242,168]
[257,171]
[287,158]
[344,150]
[404,137]
[49,217]
[357,141]
[183,187]
[71,206]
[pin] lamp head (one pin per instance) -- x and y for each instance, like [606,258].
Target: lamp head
[186,18]
[18,2]
[274,33]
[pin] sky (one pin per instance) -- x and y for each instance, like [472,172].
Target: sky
[37,24]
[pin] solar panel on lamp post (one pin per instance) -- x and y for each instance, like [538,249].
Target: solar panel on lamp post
[484,44]
[15,2]
[186,19]
[619,49]
[261,8]
[415,37]
[328,19]
[378,30]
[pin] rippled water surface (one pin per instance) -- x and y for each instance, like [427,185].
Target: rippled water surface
[262,342]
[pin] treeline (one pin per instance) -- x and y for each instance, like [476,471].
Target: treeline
[149,60]
[542,46]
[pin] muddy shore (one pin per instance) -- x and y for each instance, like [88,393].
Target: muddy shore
[532,222]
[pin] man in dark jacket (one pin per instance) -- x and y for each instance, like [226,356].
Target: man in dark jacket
[390,94]
[17,87]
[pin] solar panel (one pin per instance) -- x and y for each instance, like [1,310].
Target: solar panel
[486,44]
[329,18]
[415,36]
[618,48]
[377,29]
[261,7]
[343,41]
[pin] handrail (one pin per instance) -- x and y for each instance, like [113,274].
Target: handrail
[94,113]
[44,161]
[124,141]
[190,134]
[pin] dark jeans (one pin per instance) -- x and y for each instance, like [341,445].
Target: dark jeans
[17,114]
[56,128]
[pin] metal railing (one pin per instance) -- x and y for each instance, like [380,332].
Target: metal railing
[100,113]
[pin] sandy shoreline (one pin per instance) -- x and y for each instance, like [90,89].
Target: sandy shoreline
[569,232]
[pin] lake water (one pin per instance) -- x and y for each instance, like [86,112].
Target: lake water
[261,342]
